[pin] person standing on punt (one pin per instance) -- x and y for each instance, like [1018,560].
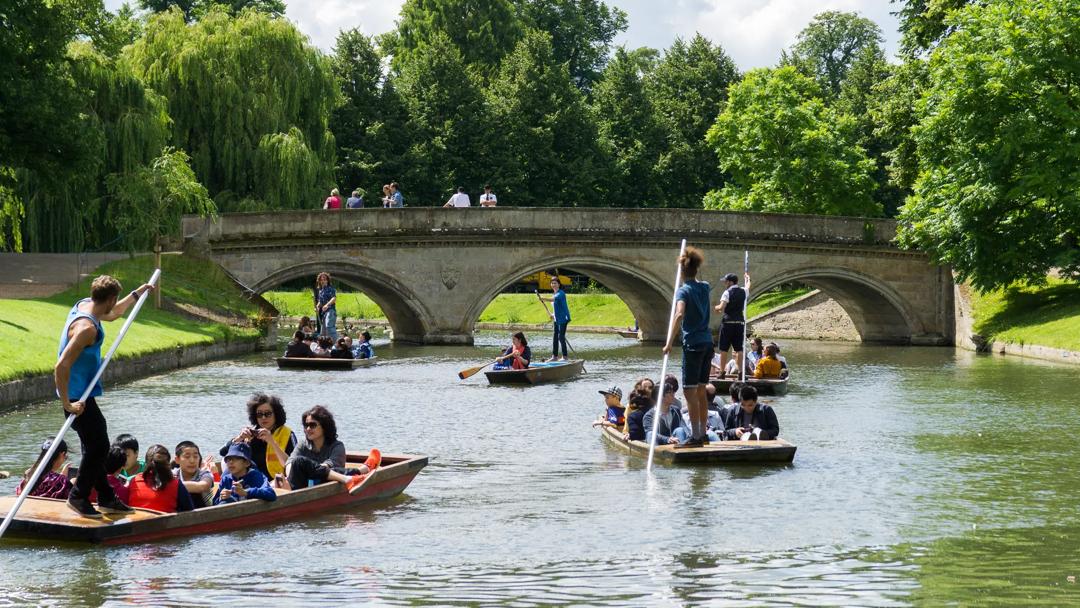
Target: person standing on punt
[561,317]
[78,359]
[732,323]
[326,303]
[692,309]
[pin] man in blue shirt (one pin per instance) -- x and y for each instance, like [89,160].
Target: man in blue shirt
[326,303]
[561,318]
[692,309]
[396,199]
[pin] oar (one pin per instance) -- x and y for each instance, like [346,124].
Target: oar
[469,373]
[537,292]
[47,458]
[663,367]
[746,302]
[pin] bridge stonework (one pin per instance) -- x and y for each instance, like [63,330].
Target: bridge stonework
[434,270]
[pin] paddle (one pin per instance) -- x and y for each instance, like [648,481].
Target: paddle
[746,301]
[46,460]
[469,373]
[663,367]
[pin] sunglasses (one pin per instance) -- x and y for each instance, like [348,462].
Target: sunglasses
[311,425]
[264,414]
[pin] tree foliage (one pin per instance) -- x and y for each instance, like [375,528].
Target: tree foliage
[786,151]
[924,23]
[483,31]
[245,93]
[194,9]
[998,192]
[830,45]
[581,33]
[688,88]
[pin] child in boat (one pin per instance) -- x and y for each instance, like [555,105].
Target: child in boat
[114,462]
[517,355]
[242,480]
[769,365]
[615,414]
[322,347]
[157,488]
[194,474]
[298,347]
[54,482]
[341,350]
[363,349]
[132,466]
[641,400]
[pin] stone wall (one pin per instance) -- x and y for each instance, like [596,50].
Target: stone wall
[40,388]
[814,316]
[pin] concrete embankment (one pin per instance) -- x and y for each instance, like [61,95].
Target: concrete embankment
[41,388]
[814,316]
[967,339]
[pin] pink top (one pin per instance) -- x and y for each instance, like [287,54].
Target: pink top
[333,202]
[51,485]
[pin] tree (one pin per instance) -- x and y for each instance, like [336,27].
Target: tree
[546,142]
[581,33]
[892,111]
[827,48]
[688,89]
[250,101]
[149,202]
[924,24]
[357,66]
[483,31]
[194,9]
[448,123]
[786,151]
[998,192]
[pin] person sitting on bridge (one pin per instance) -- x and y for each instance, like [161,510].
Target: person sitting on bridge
[363,348]
[517,355]
[641,400]
[341,350]
[752,417]
[671,428]
[356,201]
[769,366]
[297,347]
[615,413]
[332,202]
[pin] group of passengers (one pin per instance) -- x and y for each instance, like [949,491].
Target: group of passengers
[260,461]
[763,361]
[306,343]
[742,418]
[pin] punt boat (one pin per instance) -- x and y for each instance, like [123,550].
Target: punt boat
[50,519]
[538,373]
[323,363]
[764,386]
[774,451]
[630,333]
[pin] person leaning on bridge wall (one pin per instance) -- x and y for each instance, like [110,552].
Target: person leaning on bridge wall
[396,199]
[487,199]
[386,195]
[459,199]
[333,201]
[356,201]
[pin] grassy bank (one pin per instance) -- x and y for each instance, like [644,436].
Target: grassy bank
[29,329]
[1047,315]
[586,309]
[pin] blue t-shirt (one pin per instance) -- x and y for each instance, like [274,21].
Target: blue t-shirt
[398,200]
[695,324]
[355,202]
[562,311]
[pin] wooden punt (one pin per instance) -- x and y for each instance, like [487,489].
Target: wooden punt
[538,373]
[50,519]
[630,333]
[323,363]
[764,386]
[775,451]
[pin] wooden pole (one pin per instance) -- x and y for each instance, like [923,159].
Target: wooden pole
[157,264]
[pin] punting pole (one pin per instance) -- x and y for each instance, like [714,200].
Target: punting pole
[47,460]
[745,304]
[663,367]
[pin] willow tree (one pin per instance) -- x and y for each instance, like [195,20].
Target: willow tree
[250,101]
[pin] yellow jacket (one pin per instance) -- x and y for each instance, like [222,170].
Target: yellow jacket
[767,367]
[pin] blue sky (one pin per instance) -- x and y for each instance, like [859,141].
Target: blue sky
[753,32]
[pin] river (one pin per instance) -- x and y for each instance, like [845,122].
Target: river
[923,476]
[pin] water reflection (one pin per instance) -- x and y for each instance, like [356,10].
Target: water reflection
[901,452]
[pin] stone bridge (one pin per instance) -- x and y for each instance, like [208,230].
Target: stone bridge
[434,270]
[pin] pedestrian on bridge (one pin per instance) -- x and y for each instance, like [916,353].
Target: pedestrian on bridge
[487,199]
[333,202]
[460,199]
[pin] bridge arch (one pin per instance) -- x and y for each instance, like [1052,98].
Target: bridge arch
[409,318]
[878,312]
[647,296]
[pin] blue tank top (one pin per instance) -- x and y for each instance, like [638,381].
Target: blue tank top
[89,360]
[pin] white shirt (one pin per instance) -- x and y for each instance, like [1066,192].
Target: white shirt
[460,200]
[488,200]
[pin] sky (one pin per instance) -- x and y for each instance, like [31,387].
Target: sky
[752,32]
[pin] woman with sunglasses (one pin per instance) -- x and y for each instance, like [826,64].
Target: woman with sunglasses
[270,440]
[320,457]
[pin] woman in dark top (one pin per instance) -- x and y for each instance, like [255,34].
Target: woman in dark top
[271,441]
[297,347]
[341,350]
[321,456]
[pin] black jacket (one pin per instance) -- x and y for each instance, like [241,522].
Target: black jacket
[297,349]
[635,424]
[763,418]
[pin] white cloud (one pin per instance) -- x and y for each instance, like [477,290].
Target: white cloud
[753,32]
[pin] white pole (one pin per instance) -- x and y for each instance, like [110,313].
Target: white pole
[47,459]
[746,302]
[663,367]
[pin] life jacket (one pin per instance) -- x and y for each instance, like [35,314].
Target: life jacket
[142,496]
[517,363]
[733,311]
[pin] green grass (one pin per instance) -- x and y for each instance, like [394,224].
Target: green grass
[299,304]
[1047,315]
[29,329]
[771,299]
